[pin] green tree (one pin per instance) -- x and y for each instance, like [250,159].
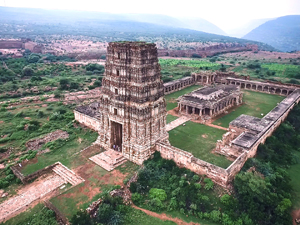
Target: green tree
[27,71]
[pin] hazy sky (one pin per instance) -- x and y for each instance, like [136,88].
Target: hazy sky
[227,14]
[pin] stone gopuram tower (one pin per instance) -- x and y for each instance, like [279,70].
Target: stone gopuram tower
[132,107]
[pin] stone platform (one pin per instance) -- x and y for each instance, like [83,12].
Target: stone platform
[36,191]
[109,159]
[177,122]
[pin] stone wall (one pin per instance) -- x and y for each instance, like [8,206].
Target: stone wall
[187,160]
[30,177]
[11,44]
[86,120]
[207,51]
[267,87]
[59,216]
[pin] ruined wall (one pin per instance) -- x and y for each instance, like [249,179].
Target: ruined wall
[59,216]
[21,44]
[86,120]
[10,44]
[207,51]
[30,177]
[187,160]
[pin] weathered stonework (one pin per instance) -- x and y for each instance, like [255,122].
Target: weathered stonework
[208,102]
[271,88]
[131,113]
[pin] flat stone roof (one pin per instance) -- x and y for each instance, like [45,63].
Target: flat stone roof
[250,123]
[209,95]
[91,110]
[248,139]
[177,81]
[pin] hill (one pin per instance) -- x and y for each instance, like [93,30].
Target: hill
[282,33]
[33,23]
[247,27]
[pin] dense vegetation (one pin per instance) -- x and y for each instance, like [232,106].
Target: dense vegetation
[36,74]
[262,195]
[173,69]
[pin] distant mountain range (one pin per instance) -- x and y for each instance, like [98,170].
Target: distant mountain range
[248,27]
[282,33]
[30,23]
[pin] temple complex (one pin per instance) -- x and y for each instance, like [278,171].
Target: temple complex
[210,101]
[130,116]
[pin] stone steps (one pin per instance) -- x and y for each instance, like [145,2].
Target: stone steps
[109,159]
[67,174]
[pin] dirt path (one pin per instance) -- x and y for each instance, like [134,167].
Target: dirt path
[215,126]
[295,215]
[164,217]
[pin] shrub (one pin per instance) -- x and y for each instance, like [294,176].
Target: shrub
[158,193]
[137,198]
[208,184]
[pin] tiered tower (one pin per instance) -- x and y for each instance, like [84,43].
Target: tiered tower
[132,108]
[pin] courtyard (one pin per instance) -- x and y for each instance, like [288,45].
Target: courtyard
[254,104]
[199,140]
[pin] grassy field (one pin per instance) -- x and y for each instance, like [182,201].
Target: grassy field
[19,219]
[65,154]
[294,172]
[171,118]
[255,104]
[199,140]
[138,217]
[282,70]
[173,69]
[171,98]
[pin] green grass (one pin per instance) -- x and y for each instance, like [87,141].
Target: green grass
[255,104]
[25,215]
[199,140]
[191,218]
[282,70]
[66,154]
[294,172]
[171,118]
[194,63]
[138,217]
[171,98]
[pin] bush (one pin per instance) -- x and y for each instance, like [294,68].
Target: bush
[208,184]
[137,198]
[158,193]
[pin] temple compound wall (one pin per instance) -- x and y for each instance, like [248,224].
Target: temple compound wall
[204,78]
[131,112]
[179,84]
[271,88]
[244,138]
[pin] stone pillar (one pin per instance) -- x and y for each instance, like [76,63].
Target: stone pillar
[200,113]
[193,110]
[186,109]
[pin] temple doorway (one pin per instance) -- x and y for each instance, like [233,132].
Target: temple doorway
[116,136]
